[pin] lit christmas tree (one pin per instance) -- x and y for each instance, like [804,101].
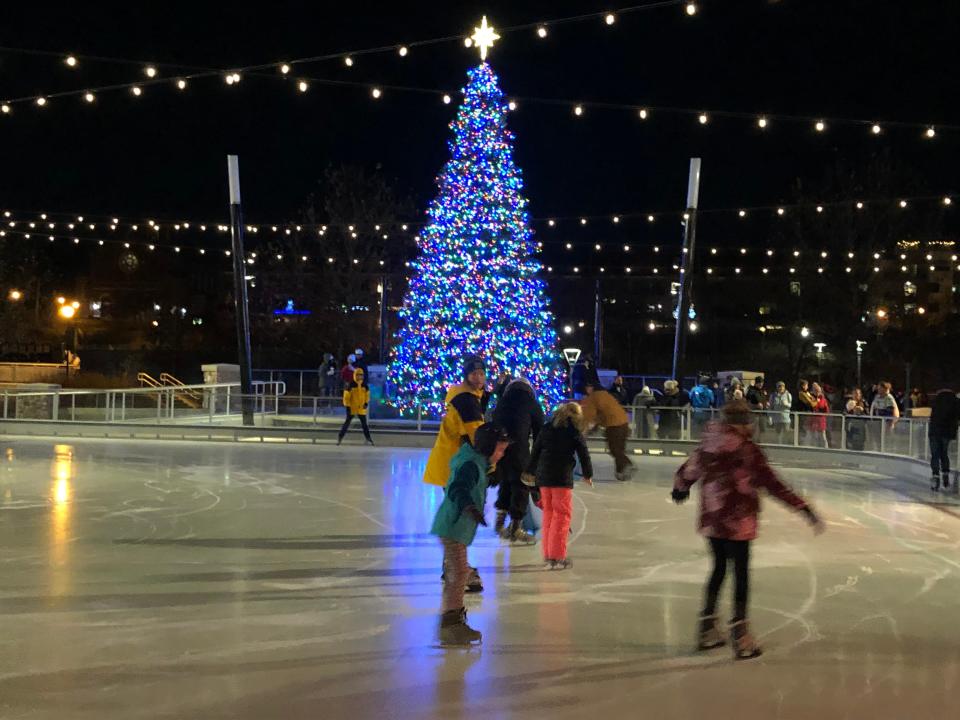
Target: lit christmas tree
[475,287]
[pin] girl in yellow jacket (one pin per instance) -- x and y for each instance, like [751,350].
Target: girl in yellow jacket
[356,397]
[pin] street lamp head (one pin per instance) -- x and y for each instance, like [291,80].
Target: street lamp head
[15,295]
[804,332]
[61,300]
[67,312]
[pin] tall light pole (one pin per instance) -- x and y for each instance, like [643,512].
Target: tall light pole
[686,265]
[860,346]
[819,346]
[241,311]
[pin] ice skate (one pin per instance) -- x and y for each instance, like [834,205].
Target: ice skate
[455,631]
[474,584]
[710,636]
[500,522]
[369,441]
[339,441]
[744,646]
[516,534]
[946,480]
[935,483]
[564,564]
[548,564]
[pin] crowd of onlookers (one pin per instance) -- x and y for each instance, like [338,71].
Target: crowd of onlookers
[783,415]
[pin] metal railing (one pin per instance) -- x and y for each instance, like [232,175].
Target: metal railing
[155,404]
[905,437]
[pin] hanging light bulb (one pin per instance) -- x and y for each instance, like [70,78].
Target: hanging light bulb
[578,110]
[375,92]
[903,204]
[542,31]
[742,213]
[762,123]
[512,105]
[820,126]
[302,86]
[402,51]
[41,101]
[643,114]
[691,9]
[931,132]
[136,91]
[876,129]
[704,118]
[650,218]
[5,109]
[819,208]
[447,99]
[859,206]
[285,68]
[348,61]
[780,211]
[70,61]
[947,201]
[181,84]
[150,71]
[610,19]
[89,97]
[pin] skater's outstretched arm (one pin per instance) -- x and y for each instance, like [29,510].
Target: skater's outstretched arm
[765,477]
[583,455]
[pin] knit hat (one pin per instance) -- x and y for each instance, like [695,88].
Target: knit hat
[736,412]
[486,438]
[472,363]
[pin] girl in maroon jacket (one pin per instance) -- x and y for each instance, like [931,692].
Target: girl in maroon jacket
[732,469]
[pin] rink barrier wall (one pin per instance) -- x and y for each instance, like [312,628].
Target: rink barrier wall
[411,434]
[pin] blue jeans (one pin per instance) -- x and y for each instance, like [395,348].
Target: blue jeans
[939,455]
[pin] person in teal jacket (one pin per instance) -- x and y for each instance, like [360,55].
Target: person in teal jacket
[456,524]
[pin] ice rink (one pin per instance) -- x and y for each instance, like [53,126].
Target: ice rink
[175,580]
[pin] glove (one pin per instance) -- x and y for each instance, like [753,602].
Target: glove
[528,479]
[680,496]
[477,516]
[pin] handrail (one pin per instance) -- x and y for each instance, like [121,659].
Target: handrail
[146,379]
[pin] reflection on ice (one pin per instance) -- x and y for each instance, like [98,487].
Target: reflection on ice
[224,581]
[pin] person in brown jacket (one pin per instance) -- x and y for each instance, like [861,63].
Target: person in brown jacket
[601,408]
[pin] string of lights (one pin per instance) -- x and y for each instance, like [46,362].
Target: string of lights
[912,256]
[51,220]
[284,70]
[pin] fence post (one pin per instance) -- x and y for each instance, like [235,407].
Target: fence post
[211,405]
[910,445]
[419,416]
[159,406]
[73,407]
[56,406]
[123,406]
[228,401]
[6,403]
[301,389]
[883,435]
[843,432]
[796,429]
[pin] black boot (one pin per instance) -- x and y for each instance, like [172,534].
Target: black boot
[946,479]
[501,521]
[935,483]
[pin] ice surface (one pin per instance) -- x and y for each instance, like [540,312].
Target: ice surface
[176,580]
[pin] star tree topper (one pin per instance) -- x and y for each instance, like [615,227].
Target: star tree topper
[484,37]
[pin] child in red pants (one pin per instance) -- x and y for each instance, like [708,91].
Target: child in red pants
[551,464]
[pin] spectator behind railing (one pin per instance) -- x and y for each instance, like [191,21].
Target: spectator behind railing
[643,417]
[673,401]
[781,403]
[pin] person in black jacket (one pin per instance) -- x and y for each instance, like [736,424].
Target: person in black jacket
[554,456]
[671,420]
[519,413]
[942,428]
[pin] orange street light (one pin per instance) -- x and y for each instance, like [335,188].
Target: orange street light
[67,312]
[15,295]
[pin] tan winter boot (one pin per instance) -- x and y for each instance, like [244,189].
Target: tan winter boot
[744,646]
[454,629]
[710,635]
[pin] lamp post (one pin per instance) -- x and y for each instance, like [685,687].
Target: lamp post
[860,346]
[819,346]
[571,355]
[67,311]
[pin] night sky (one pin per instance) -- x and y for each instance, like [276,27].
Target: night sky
[162,155]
